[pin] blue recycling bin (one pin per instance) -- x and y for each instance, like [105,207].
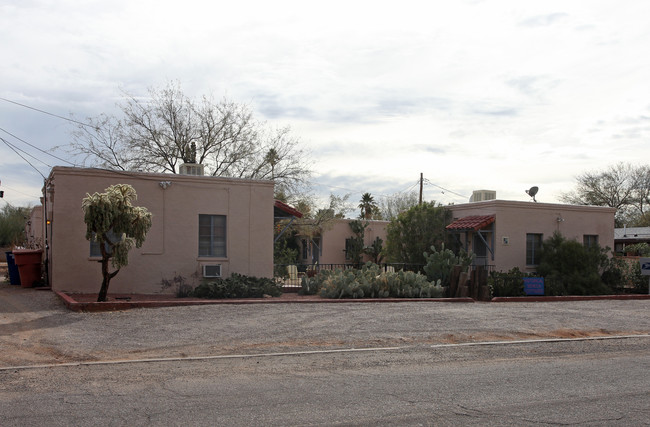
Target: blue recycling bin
[14,276]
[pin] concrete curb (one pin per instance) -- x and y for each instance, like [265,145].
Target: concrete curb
[85,306]
[570,298]
[78,306]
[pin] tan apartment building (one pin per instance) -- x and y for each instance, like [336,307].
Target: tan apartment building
[507,234]
[202,226]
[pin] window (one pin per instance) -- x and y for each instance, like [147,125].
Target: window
[94,245]
[212,236]
[533,248]
[590,240]
[348,249]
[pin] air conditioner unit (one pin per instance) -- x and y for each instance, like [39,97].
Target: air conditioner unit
[213,270]
[483,195]
[191,169]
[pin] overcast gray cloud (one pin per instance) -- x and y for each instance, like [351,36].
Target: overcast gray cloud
[498,94]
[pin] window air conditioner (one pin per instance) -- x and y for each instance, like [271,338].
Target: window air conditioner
[212,270]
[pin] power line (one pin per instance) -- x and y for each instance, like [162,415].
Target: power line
[15,150]
[426,181]
[18,191]
[48,113]
[35,147]
[362,191]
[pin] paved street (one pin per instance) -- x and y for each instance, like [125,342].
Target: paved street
[574,383]
[323,364]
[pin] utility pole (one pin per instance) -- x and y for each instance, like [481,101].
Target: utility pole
[421,185]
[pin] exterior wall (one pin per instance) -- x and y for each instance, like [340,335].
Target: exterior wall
[34,228]
[516,219]
[333,240]
[171,246]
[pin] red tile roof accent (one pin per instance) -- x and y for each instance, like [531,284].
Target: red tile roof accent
[284,208]
[473,222]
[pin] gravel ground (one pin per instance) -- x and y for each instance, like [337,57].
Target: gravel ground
[36,328]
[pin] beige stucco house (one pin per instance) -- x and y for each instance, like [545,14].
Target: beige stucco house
[202,225]
[507,234]
[330,246]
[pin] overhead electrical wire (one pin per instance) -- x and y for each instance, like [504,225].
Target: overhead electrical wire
[48,113]
[35,147]
[362,191]
[427,182]
[18,191]
[16,150]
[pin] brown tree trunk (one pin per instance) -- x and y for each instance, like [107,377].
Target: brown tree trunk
[106,279]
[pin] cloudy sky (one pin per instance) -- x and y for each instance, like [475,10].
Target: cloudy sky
[498,95]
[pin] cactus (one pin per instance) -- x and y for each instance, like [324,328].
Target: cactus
[371,282]
[440,263]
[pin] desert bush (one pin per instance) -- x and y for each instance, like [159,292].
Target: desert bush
[238,286]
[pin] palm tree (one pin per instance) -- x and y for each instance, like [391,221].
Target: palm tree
[368,206]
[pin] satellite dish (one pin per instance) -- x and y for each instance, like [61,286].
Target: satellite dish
[532,191]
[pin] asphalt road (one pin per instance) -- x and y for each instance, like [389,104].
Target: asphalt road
[603,382]
[323,364]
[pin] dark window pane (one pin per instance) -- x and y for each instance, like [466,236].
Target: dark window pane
[212,235]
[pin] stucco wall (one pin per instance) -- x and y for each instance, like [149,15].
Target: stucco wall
[516,219]
[34,227]
[171,246]
[333,239]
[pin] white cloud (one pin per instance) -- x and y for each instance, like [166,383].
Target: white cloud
[499,94]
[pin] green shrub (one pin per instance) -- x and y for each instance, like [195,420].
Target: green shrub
[577,268]
[12,225]
[638,249]
[508,284]
[637,282]
[624,275]
[285,253]
[238,286]
[371,282]
[414,231]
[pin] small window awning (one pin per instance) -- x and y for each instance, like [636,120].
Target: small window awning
[282,210]
[471,223]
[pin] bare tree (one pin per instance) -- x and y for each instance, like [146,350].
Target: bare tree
[103,143]
[160,132]
[393,205]
[278,157]
[621,186]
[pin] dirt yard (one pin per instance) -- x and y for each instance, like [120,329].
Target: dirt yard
[36,328]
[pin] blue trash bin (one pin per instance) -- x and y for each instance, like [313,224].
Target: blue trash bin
[14,275]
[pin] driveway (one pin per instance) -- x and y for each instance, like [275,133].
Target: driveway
[36,328]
